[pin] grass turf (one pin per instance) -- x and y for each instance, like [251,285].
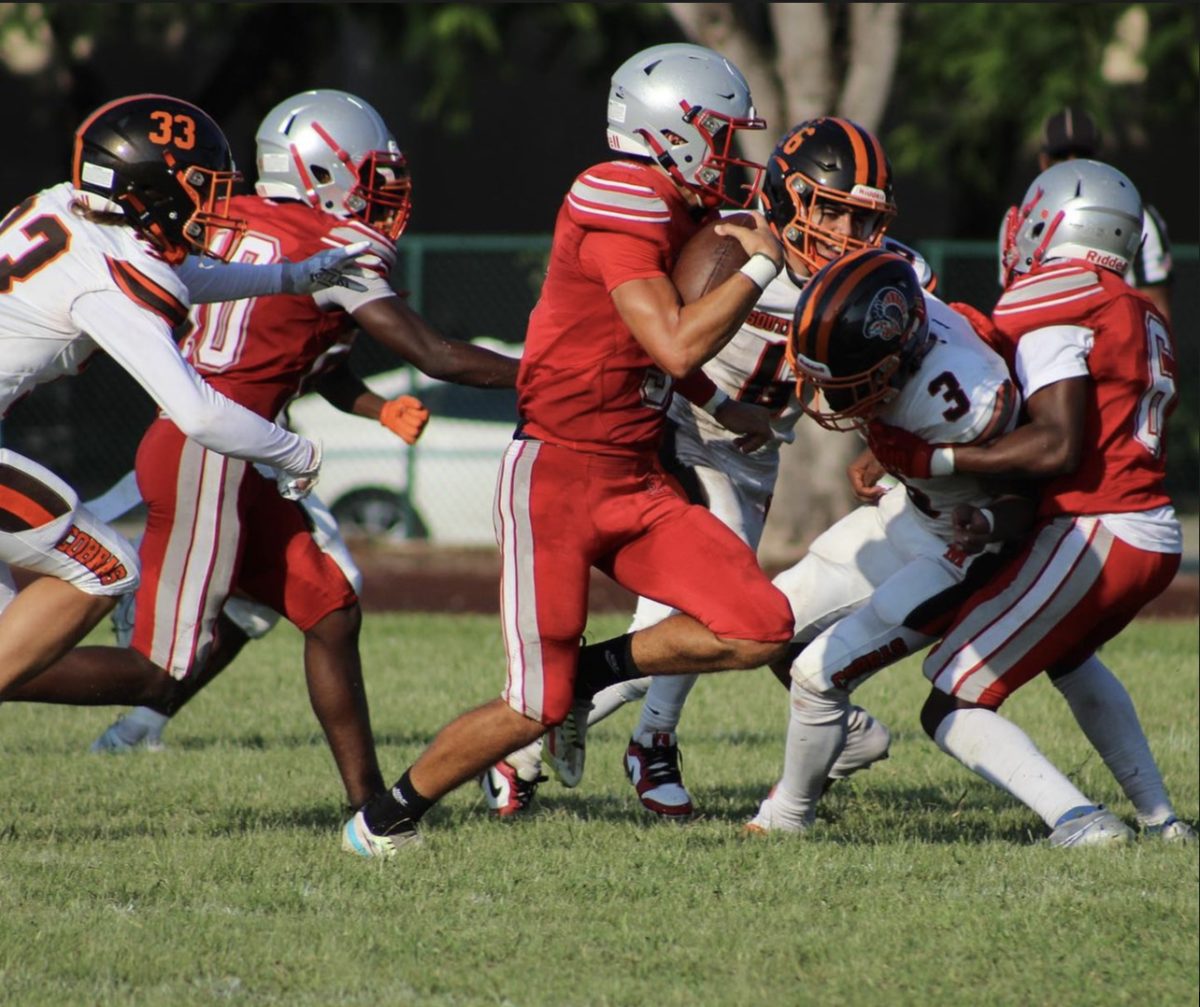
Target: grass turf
[211,873]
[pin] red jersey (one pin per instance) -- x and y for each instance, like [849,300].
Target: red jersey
[1071,319]
[584,381]
[259,350]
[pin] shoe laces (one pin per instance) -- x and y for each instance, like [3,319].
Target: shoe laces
[523,790]
[661,763]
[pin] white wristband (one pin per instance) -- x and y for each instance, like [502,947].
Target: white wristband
[761,269]
[941,462]
[718,399]
[989,517]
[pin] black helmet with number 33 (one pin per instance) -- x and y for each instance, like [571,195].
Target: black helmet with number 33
[164,164]
[859,331]
[822,170]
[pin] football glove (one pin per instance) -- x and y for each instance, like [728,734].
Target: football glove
[404,416]
[297,486]
[334,267]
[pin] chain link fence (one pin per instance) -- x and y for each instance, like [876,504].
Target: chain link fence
[87,428]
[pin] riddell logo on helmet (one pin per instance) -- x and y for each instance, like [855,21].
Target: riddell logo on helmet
[1106,261]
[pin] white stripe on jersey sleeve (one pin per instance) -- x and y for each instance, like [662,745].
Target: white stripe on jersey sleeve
[1050,284]
[1055,353]
[628,202]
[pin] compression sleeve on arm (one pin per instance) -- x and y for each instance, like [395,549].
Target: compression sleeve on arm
[209,280]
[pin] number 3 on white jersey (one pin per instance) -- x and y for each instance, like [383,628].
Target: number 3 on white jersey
[221,327]
[1152,406]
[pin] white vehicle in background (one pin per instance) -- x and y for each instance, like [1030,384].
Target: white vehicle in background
[441,489]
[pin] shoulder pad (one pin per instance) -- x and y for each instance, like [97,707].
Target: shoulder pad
[380,257]
[615,196]
[925,274]
[1064,290]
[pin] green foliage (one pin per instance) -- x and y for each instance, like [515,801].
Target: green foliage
[211,872]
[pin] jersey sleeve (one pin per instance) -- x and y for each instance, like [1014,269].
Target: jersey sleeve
[139,340]
[614,258]
[1051,354]
[166,300]
[375,264]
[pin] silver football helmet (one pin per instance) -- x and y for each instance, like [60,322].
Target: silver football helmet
[333,151]
[1075,209]
[681,105]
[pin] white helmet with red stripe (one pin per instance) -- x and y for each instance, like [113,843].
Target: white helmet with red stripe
[333,151]
[1076,209]
[681,105]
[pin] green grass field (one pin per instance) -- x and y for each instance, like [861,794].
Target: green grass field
[211,873]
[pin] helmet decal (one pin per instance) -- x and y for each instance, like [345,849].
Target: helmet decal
[887,315]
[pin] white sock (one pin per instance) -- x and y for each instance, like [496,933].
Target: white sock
[1003,754]
[609,701]
[527,761]
[663,705]
[1104,711]
[815,736]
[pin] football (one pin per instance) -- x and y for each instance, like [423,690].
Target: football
[709,259]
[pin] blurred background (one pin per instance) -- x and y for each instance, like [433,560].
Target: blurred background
[498,106]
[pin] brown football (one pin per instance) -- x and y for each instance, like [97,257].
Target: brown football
[709,259]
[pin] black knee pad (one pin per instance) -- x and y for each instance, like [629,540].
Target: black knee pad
[937,706]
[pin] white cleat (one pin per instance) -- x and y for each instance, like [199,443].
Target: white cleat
[1097,828]
[358,839]
[564,745]
[1172,831]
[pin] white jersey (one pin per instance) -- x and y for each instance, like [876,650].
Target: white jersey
[69,286]
[962,393]
[751,367]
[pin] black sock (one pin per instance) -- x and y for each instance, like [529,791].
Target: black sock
[604,664]
[401,804]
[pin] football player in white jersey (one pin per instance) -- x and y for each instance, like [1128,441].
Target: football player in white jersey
[827,190]
[91,264]
[868,343]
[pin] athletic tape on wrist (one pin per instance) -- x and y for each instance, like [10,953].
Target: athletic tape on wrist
[761,269]
[989,517]
[941,462]
[719,398]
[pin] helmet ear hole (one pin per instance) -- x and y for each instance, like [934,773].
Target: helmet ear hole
[320,175]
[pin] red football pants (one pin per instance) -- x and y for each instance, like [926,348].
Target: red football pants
[1073,587]
[559,512]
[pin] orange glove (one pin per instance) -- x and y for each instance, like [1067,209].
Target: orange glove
[404,416]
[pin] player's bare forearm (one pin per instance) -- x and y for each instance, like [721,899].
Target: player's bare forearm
[678,337]
[1050,444]
[392,323]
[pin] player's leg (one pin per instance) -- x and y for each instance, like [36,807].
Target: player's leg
[1105,712]
[283,568]
[1073,587]
[240,621]
[686,558]
[543,602]
[86,565]
[652,757]
[828,669]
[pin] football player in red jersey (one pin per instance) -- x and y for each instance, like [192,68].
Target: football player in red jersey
[329,175]
[581,485]
[111,260]
[1095,361]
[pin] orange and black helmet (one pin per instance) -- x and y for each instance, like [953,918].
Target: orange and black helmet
[859,330]
[165,163]
[825,164]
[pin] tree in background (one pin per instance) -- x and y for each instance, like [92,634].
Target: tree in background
[958,93]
